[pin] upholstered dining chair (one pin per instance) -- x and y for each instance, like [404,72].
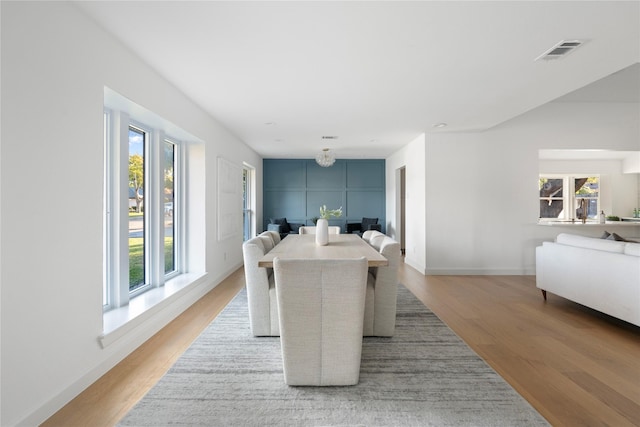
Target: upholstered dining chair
[376,240]
[369,234]
[261,290]
[321,311]
[267,240]
[333,229]
[382,290]
[275,236]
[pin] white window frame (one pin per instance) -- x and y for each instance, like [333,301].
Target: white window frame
[178,207]
[249,216]
[116,286]
[569,198]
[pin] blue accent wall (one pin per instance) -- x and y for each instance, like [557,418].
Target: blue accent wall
[296,188]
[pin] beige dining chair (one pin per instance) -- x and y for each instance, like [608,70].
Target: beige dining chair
[376,240]
[261,290]
[333,229]
[274,235]
[382,291]
[321,311]
[369,234]
[267,241]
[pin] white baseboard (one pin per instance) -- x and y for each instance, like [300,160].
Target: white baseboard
[416,265]
[479,272]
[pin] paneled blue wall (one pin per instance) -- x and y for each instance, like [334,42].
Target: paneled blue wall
[296,189]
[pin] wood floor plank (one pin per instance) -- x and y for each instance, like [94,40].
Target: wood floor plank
[574,365]
[608,395]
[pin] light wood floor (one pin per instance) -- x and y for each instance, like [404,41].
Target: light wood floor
[574,365]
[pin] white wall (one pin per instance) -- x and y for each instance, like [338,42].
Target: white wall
[412,157]
[55,64]
[482,188]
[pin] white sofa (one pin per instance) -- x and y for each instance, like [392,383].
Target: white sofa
[598,273]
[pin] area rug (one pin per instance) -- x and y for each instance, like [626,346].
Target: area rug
[425,375]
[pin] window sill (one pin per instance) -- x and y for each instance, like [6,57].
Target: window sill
[118,322]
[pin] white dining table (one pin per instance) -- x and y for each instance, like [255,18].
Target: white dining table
[340,246]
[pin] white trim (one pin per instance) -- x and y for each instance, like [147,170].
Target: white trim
[415,265]
[527,271]
[155,212]
[180,208]
[179,176]
[251,198]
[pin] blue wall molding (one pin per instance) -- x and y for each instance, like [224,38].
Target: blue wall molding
[296,188]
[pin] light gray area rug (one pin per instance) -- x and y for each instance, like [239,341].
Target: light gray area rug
[424,376]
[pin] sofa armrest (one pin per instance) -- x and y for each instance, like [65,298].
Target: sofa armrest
[274,227]
[295,227]
[354,226]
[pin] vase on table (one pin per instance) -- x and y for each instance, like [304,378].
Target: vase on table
[322,232]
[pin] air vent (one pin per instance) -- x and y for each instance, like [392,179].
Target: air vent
[560,50]
[329,137]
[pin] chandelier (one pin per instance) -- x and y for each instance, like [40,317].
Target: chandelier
[325,158]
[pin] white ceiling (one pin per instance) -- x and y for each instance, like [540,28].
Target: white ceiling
[375,74]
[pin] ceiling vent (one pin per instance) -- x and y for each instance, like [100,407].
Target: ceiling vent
[329,137]
[560,50]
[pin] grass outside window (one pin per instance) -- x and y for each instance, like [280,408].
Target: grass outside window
[136,258]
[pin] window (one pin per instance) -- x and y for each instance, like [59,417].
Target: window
[137,146]
[567,198]
[142,197]
[247,203]
[154,229]
[170,254]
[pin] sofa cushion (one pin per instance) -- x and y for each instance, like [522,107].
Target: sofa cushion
[590,243]
[284,225]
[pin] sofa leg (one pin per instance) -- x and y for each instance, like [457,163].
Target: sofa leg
[544,294]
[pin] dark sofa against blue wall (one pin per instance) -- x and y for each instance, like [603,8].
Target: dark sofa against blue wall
[296,188]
